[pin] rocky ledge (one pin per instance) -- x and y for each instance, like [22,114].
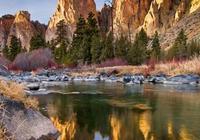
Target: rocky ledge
[25,124]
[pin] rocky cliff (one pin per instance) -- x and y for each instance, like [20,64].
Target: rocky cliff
[69,11]
[20,26]
[129,16]
[105,19]
[5,25]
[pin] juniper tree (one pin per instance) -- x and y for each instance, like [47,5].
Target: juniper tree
[156,49]
[37,42]
[14,48]
[138,52]
[179,48]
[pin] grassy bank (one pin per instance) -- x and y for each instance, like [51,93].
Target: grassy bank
[172,68]
[16,92]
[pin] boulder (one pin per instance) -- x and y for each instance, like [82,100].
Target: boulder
[25,123]
[157,79]
[183,79]
[4,71]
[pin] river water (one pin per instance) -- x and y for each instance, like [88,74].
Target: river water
[112,111]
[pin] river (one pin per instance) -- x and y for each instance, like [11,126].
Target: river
[113,111]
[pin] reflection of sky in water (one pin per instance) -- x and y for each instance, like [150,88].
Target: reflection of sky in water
[172,115]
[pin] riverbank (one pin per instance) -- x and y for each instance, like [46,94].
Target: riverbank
[20,117]
[171,68]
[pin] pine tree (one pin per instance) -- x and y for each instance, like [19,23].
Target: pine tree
[138,52]
[122,46]
[156,49]
[6,52]
[193,48]
[108,49]
[82,39]
[15,47]
[179,48]
[61,32]
[76,50]
[62,42]
[60,53]
[37,42]
[96,48]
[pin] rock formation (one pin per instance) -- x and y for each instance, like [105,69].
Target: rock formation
[69,11]
[5,25]
[24,28]
[25,123]
[153,15]
[105,19]
[20,26]
[129,16]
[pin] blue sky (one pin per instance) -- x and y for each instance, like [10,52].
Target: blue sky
[40,10]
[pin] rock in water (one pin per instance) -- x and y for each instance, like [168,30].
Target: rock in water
[25,124]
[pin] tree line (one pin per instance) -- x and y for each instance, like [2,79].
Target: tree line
[89,46]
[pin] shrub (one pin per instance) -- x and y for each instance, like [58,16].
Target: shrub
[4,61]
[41,58]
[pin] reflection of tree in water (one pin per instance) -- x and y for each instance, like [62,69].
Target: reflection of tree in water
[93,115]
[82,116]
[130,125]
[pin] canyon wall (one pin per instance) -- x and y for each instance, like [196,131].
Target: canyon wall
[69,11]
[20,26]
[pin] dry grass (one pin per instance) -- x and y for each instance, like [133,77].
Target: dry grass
[124,69]
[172,68]
[16,92]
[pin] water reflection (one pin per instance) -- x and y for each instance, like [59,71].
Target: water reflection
[166,116]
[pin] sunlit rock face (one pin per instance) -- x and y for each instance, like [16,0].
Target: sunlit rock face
[23,28]
[190,23]
[152,15]
[69,11]
[5,25]
[195,4]
[129,15]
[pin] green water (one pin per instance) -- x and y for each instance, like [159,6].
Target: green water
[117,112]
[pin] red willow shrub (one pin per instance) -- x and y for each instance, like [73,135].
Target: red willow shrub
[113,62]
[4,61]
[41,58]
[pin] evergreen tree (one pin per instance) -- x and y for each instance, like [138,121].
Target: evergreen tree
[82,39]
[15,47]
[193,48]
[122,46]
[138,52]
[156,49]
[108,49]
[6,52]
[96,49]
[61,32]
[61,42]
[60,53]
[37,42]
[76,50]
[179,48]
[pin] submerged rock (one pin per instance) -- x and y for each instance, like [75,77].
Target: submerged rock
[33,86]
[25,124]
